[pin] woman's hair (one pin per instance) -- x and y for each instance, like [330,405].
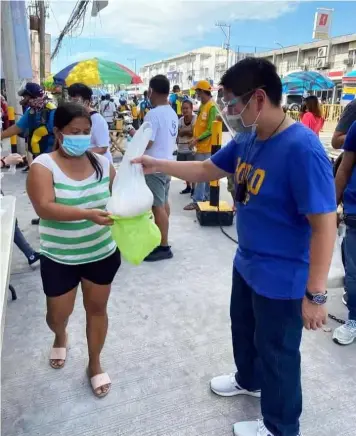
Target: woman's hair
[66,113]
[312,104]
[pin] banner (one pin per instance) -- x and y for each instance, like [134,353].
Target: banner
[21,39]
[322,24]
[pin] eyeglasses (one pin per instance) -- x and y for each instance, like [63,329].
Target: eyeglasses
[238,99]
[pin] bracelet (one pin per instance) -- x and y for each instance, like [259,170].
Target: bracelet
[3,162]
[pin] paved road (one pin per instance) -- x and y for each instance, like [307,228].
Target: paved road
[168,335]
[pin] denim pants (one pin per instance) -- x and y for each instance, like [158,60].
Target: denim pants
[21,242]
[349,249]
[202,189]
[266,336]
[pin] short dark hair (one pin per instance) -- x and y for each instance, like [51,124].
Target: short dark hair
[107,96]
[80,90]
[250,74]
[160,84]
[188,102]
[176,88]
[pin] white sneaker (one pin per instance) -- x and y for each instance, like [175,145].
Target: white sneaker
[345,334]
[226,386]
[252,428]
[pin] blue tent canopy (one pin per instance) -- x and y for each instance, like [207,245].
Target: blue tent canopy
[301,82]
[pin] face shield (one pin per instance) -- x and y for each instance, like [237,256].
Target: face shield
[231,110]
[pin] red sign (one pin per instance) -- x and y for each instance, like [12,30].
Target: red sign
[323,19]
[335,73]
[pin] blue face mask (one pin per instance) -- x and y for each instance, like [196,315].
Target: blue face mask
[76,145]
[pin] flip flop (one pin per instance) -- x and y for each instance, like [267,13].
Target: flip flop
[190,206]
[58,353]
[99,380]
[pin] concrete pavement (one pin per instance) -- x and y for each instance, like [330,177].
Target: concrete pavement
[169,334]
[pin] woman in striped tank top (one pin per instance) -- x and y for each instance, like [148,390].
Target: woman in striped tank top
[69,189]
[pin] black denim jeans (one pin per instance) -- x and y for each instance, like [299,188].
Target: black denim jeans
[266,336]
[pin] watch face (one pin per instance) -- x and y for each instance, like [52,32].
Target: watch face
[319,299]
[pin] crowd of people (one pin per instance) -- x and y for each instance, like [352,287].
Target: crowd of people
[284,190]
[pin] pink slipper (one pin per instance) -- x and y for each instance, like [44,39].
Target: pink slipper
[58,354]
[99,380]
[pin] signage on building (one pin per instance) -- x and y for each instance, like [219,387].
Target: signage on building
[322,24]
[173,76]
[335,74]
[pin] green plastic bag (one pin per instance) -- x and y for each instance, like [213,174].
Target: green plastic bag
[135,236]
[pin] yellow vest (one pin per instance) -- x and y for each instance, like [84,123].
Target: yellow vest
[134,112]
[201,125]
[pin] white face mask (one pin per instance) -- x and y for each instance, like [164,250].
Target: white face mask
[235,123]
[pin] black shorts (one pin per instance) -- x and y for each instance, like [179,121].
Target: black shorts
[184,157]
[58,278]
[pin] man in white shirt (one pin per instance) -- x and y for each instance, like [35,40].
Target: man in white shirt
[164,123]
[107,109]
[100,138]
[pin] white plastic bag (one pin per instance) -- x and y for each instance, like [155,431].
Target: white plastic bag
[130,194]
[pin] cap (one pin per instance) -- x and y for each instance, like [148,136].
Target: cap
[204,85]
[32,89]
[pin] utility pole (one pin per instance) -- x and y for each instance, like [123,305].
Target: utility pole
[226,30]
[280,67]
[134,61]
[42,39]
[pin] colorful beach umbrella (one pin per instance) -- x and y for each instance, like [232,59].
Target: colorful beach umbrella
[300,82]
[95,72]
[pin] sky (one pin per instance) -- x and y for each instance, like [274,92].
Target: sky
[151,30]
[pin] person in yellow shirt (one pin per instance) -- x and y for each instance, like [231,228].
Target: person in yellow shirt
[202,137]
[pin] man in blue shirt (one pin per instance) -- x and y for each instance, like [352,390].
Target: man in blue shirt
[286,225]
[346,190]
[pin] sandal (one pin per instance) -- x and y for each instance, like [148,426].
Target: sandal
[190,206]
[58,354]
[98,381]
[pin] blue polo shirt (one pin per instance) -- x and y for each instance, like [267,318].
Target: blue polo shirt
[349,198]
[290,177]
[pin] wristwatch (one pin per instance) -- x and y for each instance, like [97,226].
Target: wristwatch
[318,298]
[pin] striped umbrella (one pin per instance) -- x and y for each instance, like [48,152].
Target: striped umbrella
[303,81]
[96,72]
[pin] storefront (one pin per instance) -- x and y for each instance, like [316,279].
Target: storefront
[348,88]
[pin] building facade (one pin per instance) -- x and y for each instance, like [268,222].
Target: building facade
[334,57]
[185,69]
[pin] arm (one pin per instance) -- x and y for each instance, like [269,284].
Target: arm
[11,131]
[41,193]
[313,190]
[347,164]
[344,173]
[344,124]
[21,125]
[323,227]
[219,166]
[191,171]
[338,140]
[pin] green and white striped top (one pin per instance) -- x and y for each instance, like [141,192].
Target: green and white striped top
[76,242]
